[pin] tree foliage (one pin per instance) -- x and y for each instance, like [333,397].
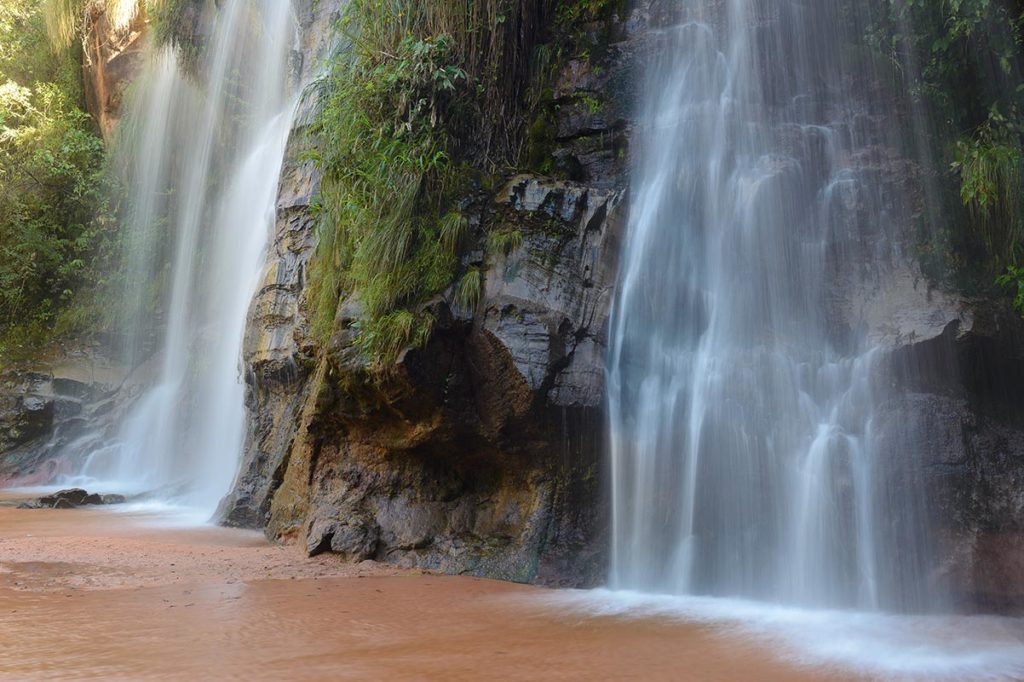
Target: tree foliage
[53,213]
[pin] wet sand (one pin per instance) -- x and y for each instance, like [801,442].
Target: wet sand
[91,594]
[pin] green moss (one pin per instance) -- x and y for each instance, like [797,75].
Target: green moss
[574,13]
[591,103]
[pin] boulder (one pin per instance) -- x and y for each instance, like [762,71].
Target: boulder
[71,496]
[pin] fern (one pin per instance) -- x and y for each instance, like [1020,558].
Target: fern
[991,167]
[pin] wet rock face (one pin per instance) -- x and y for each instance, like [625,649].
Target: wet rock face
[547,301]
[278,353]
[957,421]
[482,453]
[25,412]
[72,396]
[36,411]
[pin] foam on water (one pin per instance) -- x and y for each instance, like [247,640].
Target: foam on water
[887,646]
[144,506]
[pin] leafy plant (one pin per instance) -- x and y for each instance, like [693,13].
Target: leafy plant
[990,165]
[384,234]
[1014,278]
[962,59]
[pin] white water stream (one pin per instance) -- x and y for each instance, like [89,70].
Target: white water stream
[745,457]
[206,151]
[752,487]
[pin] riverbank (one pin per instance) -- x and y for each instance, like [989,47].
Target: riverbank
[101,594]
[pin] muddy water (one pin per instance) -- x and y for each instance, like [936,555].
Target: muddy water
[95,595]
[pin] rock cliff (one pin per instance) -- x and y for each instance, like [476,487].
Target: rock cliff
[50,411]
[481,453]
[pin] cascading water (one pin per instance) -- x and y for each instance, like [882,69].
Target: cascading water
[742,415]
[205,156]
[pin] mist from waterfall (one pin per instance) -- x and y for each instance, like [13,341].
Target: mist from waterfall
[743,412]
[204,145]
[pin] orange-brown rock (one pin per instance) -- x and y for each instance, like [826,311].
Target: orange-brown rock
[111,58]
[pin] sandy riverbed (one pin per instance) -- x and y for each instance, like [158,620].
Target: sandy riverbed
[93,594]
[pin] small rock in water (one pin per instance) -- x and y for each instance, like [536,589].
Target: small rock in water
[74,496]
[70,499]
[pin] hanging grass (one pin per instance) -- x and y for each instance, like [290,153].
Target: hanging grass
[504,242]
[418,93]
[469,289]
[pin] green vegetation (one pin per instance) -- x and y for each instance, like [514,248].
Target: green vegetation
[469,289]
[504,241]
[54,218]
[420,94]
[963,57]
[66,21]
[64,17]
[389,178]
[575,13]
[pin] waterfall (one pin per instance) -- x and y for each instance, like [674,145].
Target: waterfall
[204,145]
[743,406]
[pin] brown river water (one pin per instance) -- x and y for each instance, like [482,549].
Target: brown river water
[91,594]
